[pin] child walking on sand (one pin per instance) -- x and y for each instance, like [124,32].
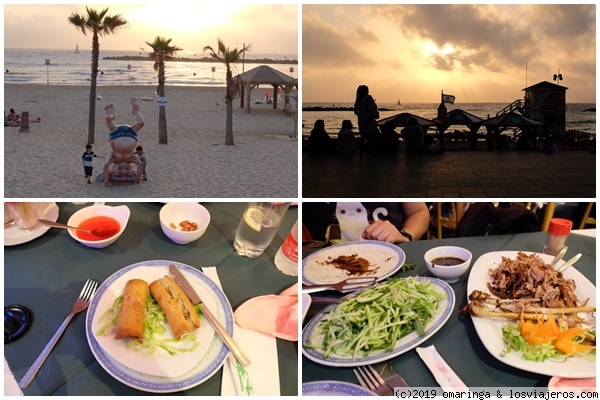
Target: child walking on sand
[88,162]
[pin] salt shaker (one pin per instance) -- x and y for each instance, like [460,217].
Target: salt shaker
[558,231]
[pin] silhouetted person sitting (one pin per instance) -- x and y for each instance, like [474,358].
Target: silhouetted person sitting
[390,139]
[319,140]
[345,142]
[414,136]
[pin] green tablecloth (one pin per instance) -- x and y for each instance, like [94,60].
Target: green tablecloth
[457,341]
[47,274]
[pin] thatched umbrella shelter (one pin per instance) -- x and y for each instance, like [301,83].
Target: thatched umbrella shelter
[459,117]
[264,74]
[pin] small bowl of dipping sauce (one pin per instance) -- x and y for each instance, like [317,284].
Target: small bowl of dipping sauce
[448,262]
[107,222]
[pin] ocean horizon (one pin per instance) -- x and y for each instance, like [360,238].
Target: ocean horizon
[66,67]
[577,118]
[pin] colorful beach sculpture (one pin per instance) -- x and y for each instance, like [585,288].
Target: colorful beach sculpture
[123,141]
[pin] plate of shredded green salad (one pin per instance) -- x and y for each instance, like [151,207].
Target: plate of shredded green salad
[378,323]
[159,363]
[502,337]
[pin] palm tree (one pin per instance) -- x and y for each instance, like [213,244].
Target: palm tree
[98,24]
[228,57]
[163,51]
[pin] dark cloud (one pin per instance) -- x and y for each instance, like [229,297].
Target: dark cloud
[326,46]
[486,38]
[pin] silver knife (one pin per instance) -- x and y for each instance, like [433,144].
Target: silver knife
[389,375]
[191,293]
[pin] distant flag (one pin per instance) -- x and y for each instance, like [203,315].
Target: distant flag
[448,98]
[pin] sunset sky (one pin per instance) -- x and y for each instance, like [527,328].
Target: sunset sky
[270,28]
[477,53]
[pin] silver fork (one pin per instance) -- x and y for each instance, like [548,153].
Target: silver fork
[370,379]
[81,304]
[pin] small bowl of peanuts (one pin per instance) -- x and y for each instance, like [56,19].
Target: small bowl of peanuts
[184,222]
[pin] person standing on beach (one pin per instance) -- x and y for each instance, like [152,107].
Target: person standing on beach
[123,140]
[366,110]
[139,151]
[287,108]
[88,162]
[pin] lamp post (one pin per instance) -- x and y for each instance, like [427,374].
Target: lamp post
[558,77]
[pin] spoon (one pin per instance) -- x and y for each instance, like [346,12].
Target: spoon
[559,256]
[569,263]
[95,232]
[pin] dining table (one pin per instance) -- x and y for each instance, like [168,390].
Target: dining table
[457,341]
[46,275]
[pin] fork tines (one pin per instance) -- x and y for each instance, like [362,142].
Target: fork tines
[88,290]
[368,377]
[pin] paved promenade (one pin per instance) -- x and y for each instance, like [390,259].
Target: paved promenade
[454,174]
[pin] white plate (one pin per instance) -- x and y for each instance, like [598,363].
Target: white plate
[403,345]
[161,363]
[14,236]
[388,257]
[334,388]
[207,360]
[490,330]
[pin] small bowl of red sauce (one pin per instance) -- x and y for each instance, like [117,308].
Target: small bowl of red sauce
[107,223]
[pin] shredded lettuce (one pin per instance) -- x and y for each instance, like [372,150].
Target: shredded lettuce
[539,353]
[154,326]
[376,318]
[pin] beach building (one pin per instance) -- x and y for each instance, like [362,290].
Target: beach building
[545,102]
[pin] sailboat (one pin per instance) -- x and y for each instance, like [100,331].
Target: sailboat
[77,49]
[399,103]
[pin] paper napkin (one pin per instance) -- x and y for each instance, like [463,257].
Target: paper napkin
[261,377]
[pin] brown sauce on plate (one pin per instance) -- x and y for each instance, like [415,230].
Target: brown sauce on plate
[353,265]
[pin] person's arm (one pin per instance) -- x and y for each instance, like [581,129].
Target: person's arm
[415,224]
[417,219]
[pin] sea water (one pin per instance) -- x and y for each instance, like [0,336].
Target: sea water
[577,115]
[69,68]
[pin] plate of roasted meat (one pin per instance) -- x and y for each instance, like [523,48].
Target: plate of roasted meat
[532,317]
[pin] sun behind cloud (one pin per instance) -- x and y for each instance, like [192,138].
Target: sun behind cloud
[183,17]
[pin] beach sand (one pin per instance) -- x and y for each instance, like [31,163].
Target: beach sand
[196,163]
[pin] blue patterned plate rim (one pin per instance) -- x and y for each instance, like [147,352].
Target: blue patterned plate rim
[403,345]
[319,388]
[147,383]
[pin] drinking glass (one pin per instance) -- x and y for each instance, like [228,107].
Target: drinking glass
[24,215]
[258,227]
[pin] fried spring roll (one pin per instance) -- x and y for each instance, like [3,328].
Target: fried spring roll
[133,310]
[178,309]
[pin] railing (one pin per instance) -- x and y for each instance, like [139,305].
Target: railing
[515,105]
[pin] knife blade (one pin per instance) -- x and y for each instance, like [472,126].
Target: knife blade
[195,298]
[390,375]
